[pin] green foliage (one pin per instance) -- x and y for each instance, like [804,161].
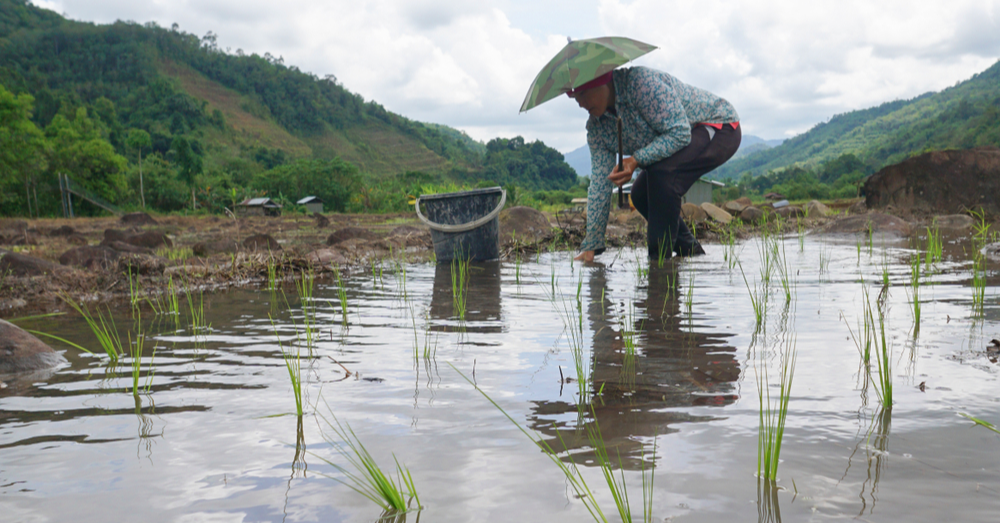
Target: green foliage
[534,166]
[22,147]
[333,181]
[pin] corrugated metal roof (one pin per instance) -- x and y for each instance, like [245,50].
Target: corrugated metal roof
[309,199]
[260,202]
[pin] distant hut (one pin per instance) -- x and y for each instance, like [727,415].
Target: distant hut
[774,196]
[313,204]
[701,192]
[259,207]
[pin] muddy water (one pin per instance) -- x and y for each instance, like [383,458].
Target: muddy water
[214,438]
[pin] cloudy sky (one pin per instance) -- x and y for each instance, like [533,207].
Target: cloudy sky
[785,64]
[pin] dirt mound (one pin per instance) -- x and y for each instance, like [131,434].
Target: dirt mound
[210,247]
[138,218]
[525,224]
[350,233]
[261,242]
[24,265]
[941,182]
[21,352]
[90,257]
[874,222]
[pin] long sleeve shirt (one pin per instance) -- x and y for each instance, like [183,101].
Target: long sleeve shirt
[657,112]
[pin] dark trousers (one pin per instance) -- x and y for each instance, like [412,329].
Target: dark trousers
[657,191]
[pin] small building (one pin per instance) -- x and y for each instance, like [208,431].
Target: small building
[701,192]
[259,207]
[774,196]
[313,204]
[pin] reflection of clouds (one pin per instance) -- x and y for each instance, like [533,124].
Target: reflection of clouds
[671,369]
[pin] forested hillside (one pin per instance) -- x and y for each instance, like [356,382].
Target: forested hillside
[102,103]
[960,117]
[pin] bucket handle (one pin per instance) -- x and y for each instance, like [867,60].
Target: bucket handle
[440,227]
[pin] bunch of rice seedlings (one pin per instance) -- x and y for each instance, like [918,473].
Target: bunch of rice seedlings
[134,292]
[459,285]
[103,329]
[293,363]
[935,247]
[304,288]
[883,351]
[426,350]
[135,353]
[758,298]
[272,274]
[394,494]
[771,428]
[980,237]
[197,311]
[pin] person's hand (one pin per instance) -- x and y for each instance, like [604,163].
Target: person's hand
[623,176]
[585,256]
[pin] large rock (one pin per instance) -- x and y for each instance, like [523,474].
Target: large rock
[64,230]
[261,242]
[410,236]
[957,222]
[24,265]
[350,233]
[141,264]
[939,182]
[147,239]
[878,222]
[127,247]
[716,213]
[816,209]
[858,208]
[692,213]
[524,224]
[22,352]
[138,218]
[326,257]
[210,247]
[790,212]
[734,207]
[90,257]
[751,214]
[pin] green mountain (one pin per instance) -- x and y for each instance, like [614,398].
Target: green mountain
[960,117]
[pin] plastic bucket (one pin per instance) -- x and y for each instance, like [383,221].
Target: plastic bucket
[464,224]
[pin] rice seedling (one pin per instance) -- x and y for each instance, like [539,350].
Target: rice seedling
[294,366]
[689,294]
[758,298]
[771,428]
[802,234]
[342,296]
[980,422]
[104,329]
[365,476]
[824,258]
[883,350]
[980,237]
[935,247]
[915,289]
[427,350]
[459,286]
[134,292]
[135,353]
[304,288]
[173,303]
[272,274]
[784,273]
[179,254]
[196,311]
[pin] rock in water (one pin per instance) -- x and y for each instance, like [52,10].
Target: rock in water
[525,224]
[22,352]
[716,213]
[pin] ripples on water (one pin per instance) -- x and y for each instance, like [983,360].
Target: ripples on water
[214,439]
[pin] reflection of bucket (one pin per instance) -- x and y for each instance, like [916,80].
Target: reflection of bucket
[464,224]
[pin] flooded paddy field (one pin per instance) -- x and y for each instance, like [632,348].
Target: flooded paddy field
[669,365]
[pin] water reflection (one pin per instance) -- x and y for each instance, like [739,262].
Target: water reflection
[482,299]
[768,507]
[641,391]
[875,442]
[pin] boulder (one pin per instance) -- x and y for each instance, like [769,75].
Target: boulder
[141,264]
[939,182]
[64,230]
[410,236]
[24,265]
[127,247]
[734,207]
[816,209]
[957,222]
[858,208]
[115,235]
[744,200]
[150,240]
[322,222]
[261,242]
[751,214]
[790,212]
[879,223]
[350,233]
[90,257]
[22,352]
[716,213]
[524,224]
[138,218]
[210,247]
[326,257]
[77,239]
[692,213]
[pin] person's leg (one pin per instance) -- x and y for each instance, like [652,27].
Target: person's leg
[639,195]
[669,179]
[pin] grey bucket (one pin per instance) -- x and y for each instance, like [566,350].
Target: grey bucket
[464,224]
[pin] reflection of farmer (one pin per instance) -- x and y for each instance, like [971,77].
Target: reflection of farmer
[673,132]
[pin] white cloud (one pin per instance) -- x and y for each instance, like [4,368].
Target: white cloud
[786,65]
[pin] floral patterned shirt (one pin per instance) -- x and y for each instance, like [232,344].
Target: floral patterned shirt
[657,112]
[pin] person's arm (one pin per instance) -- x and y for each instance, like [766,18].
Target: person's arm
[660,105]
[599,193]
